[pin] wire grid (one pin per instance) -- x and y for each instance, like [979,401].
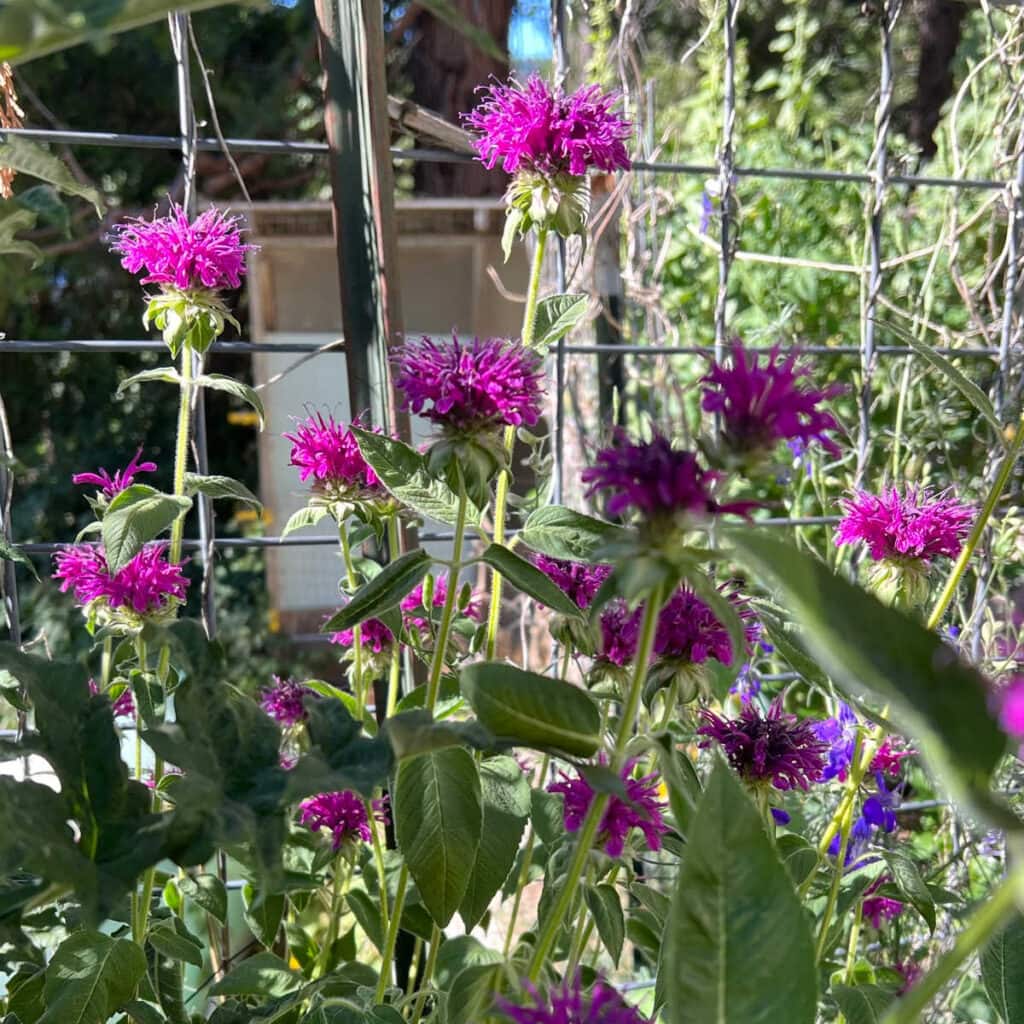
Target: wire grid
[726,171]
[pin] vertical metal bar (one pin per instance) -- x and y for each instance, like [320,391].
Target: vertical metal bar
[8,578]
[178,23]
[725,178]
[351,36]
[1010,331]
[879,159]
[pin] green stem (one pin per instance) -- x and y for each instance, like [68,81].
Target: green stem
[1005,469]
[181,448]
[591,823]
[505,476]
[851,949]
[388,954]
[339,884]
[378,857]
[428,973]
[837,877]
[990,917]
[395,672]
[357,633]
[106,664]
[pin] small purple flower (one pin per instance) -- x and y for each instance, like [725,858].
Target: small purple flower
[373,636]
[146,585]
[412,605]
[329,453]
[877,909]
[761,404]
[689,631]
[284,701]
[773,746]
[747,685]
[840,733]
[917,525]
[343,814]
[120,481]
[535,128]
[570,1004]
[877,814]
[577,580]
[780,817]
[654,479]
[620,632]
[471,387]
[620,818]
[208,252]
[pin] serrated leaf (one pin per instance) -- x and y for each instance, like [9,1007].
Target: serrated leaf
[528,579]
[506,803]
[733,904]
[438,810]
[31,158]
[136,516]
[562,533]
[605,906]
[1002,971]
[532,709]
[383,592]
[219,382]
[167,374]
[403,471]
[557,315]
[308,516]
[220,487]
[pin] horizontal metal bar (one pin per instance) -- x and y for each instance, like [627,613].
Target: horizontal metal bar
[812,350]
[141,345]
[298,148]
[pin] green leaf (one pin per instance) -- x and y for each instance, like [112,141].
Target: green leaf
[403,471]
[263,975]
[1002,971]
[862,1004]
[219,382]
[367,912]
[163,373]
[383,592]
[30,158]
[308,516]
[141,1011]
[135,516]
[472,992]
[10,553]
[415,732]
[220,487]
[206,891]
[557,315]
[172,939]
[29,29]
[45,203]
[799,856]
[438,820]
[506,802]
[90,976]
[460,952]
[562,533]
[528,579]
[911,885]
[682,780]
[605,907]
[534,710]
[263,913]
[736,928]
[871,650]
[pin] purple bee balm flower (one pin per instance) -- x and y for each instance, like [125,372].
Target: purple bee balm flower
[570,1004]
[329,453]
[761,404]
[577,580]
[620,632]
[534,128]
[123,704]
[773,746]
[840,734]
[373,636]
[689,631]
[654,479]
[208,252]
[470,387]
[343,814]
[121,480]
[916,525]
[880,908]
[284,701]
[888,760]
[620,818]
[412,604]
[146,585]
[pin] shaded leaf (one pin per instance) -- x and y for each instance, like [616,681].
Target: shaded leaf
[528,579]
[206,891]
[1002,971]
[31,158]
[383,592]
[862,1004]
[136,516]
[263,975]
[10,553]
[911,885]
[605,906]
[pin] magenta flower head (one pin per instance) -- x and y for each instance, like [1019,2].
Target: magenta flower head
[767,747]
[620,633]
[174,252]
[880,908]
[536,129]
[643,811]
[904,532]
[570,1004]
[413,604]
[1009,703]
[579,581]
[469,388]
[121,480]
[656,481]
[147,587]
[763,400]
[283,701]
[343,814]
[123,705]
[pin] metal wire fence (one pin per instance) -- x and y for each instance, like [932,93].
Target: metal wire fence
[876,178]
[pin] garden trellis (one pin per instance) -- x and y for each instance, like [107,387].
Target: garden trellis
[876,179]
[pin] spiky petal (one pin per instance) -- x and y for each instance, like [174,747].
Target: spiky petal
[283,701]
[568,1003]
[122,478]
[577,580]
[343,814]
[689,631]
[328,452]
